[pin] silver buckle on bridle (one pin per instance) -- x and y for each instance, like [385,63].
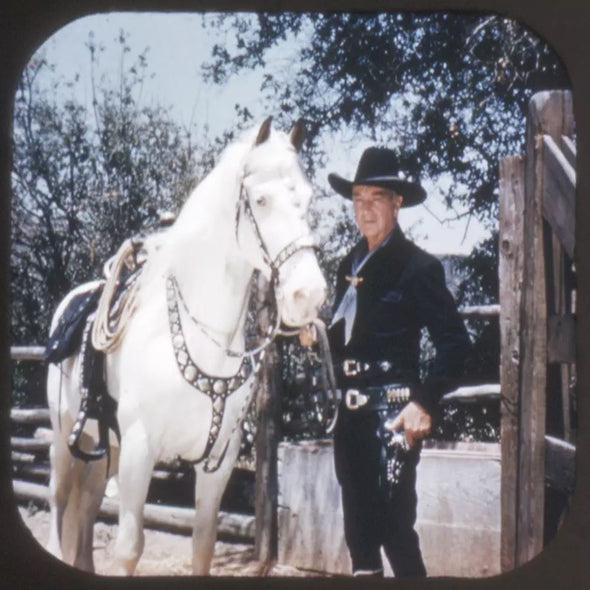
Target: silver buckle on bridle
[354,399]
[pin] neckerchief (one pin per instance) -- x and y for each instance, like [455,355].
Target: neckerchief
[347,308]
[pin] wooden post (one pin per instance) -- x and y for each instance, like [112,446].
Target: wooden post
[267,442]
[157,516]
[266,446]
[549,113]
[511,280]
[560,341]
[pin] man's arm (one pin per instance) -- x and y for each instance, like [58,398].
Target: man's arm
[436,308]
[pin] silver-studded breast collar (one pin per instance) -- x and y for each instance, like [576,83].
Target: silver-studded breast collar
[218,389]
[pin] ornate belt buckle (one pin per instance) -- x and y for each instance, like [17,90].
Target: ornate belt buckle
[354,399]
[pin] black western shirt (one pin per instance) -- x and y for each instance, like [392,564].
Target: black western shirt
[401,289]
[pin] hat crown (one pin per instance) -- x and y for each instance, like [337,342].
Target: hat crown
[379,166]
[377,162]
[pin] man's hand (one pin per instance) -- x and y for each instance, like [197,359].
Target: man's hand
[414,420]
[308,335]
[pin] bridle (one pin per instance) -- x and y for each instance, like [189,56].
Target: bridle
[274,264]
[218,389]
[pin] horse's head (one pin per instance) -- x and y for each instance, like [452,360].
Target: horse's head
[272,228]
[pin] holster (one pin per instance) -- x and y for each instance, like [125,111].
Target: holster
[394,451]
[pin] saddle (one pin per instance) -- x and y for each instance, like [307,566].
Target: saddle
[74,332]
[66,337]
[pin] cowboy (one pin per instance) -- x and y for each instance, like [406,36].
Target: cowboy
[387,290]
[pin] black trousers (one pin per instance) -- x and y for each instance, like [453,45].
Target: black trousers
[373,518]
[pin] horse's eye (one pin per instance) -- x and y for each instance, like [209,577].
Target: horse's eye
[261,200]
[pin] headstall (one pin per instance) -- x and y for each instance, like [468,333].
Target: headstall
[218,389]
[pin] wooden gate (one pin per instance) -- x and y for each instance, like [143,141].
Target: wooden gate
[537,308]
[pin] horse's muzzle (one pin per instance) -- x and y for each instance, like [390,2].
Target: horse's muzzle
[302,294]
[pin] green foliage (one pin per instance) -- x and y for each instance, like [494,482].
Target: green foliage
[448,90]
[481,288]
[84,180]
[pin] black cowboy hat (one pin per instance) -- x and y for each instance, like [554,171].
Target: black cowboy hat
[379,167]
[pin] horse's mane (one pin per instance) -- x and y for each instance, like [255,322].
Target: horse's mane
[204,207]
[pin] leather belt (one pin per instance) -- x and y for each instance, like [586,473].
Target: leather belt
[353,367]
[374,398]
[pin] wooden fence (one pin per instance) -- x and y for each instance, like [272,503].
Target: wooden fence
[260,526]
[537,360]
[30,457]
[537,299]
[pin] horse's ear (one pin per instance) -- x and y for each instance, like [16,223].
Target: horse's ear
[297,135]
[263,132]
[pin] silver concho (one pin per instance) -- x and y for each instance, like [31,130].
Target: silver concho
[204,384]
[217,389]
[190,373]
[220,386]
[385,366]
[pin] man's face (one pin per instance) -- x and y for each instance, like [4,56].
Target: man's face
[375,211]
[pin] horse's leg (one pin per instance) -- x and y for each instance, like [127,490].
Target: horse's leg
[86,484]
[136,463]
[70,525]
[61,478]
[60,484]
[91,485]
[209,488]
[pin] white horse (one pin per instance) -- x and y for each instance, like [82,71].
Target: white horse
[181,389]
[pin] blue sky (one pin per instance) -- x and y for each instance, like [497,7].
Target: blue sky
[177,46]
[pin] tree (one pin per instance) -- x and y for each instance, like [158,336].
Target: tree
[449,91]
[83,181]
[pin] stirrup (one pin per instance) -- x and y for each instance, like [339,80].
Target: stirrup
[102,448]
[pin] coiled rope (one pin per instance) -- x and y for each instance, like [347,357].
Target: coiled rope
[112,316]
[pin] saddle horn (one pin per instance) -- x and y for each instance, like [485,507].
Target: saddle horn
[298,134]
[264,131]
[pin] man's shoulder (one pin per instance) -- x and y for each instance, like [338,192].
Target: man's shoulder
[411,253]
[420,256]
[347,259]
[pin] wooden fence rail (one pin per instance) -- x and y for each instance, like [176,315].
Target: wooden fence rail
[168,518]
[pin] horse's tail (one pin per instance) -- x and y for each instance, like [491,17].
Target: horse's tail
[117,301]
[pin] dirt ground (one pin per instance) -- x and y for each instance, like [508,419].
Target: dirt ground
[164,553]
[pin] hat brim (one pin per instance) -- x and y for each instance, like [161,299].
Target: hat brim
[412,192]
